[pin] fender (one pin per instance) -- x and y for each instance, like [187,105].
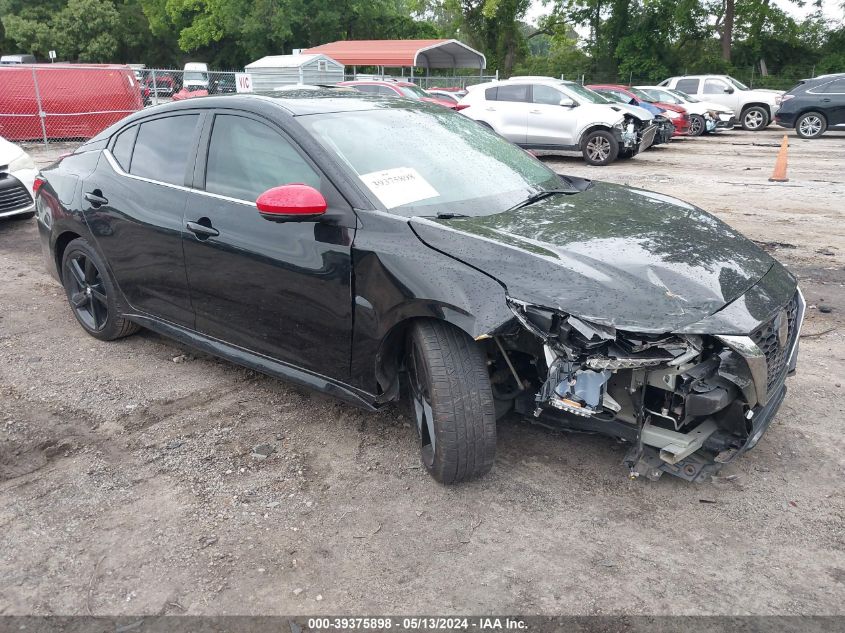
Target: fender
[389,293]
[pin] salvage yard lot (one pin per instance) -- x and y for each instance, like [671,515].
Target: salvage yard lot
[128,483]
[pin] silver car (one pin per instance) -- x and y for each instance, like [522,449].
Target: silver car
[547,114]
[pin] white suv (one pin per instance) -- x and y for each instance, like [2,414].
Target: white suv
[756,108]
[543,113]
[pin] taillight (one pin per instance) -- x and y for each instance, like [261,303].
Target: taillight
[461,106]
[37,184]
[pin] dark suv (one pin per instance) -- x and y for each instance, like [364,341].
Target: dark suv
[814,105]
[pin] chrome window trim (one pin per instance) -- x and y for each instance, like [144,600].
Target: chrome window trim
[119,171]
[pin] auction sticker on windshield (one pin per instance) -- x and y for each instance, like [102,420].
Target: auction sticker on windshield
[398,186]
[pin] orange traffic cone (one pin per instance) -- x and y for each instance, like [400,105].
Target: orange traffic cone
[779,174]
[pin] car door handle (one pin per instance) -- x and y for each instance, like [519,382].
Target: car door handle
[201,230]
[535,111]
[96,198]
[490,109]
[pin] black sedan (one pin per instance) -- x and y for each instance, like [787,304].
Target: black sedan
[814,106]
[327,238]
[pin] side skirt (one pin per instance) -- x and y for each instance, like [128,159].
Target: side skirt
[258,362]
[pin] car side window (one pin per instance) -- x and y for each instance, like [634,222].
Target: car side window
[371,90]
[122,147]
[713,87]
[162,148]
[246,158]
[387,91]
[515,92]
[546,95]
[835,87]
[690,86]
[490,93]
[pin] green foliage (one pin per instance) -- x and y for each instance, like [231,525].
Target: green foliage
[638,40]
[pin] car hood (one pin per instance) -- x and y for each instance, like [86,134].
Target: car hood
[628,258]
[765,93]
[8,152]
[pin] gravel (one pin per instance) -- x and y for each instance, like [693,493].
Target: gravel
[128,482]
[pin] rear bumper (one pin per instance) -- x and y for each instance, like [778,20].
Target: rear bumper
[785,119]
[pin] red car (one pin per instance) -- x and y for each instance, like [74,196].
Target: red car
[397,89]
[679,116]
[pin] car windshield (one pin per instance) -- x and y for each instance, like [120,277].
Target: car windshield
[738,84]
[685,96]
[195,76]
[665,95]
[431,161]
[584,94]
[415,92]
[639,94]
[612,96]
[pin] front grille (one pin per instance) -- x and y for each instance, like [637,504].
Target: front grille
[13,194]
[767,339]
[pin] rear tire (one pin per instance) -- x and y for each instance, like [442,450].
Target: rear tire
[92,294]
[697,125]
[599,147]
[755,118]
[451,402]
[810,125]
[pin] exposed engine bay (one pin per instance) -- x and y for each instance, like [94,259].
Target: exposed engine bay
[686,403]
[637,135]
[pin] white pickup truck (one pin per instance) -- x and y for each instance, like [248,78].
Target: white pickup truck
[756,107]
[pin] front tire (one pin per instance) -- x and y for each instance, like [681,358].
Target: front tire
[755,118]
[600,147]
[451,402]
[810,125]
[697,125]
[92,294]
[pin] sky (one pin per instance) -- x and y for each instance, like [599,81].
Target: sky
[832,9]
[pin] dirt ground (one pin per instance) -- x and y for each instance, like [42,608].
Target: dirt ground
[128,485]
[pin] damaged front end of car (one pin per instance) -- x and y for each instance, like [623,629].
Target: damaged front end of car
[686,403]
[635,135]
[665,130]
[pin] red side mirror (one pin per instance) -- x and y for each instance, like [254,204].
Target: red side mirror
[291,203]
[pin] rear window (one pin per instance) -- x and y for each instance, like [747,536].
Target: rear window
[162,148]
[514,92]
[689,86]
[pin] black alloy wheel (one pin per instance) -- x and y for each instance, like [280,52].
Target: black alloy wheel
[91,293]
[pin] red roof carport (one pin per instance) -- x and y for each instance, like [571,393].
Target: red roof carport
[427,54]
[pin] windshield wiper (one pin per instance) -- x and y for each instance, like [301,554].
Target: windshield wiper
[450,216]
[541,195]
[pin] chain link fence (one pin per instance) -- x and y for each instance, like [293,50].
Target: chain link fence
[62,102]
[50,103]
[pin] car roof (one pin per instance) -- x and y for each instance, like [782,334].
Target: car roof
[292,102]
[537,80]
[377,82]
[829,77]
